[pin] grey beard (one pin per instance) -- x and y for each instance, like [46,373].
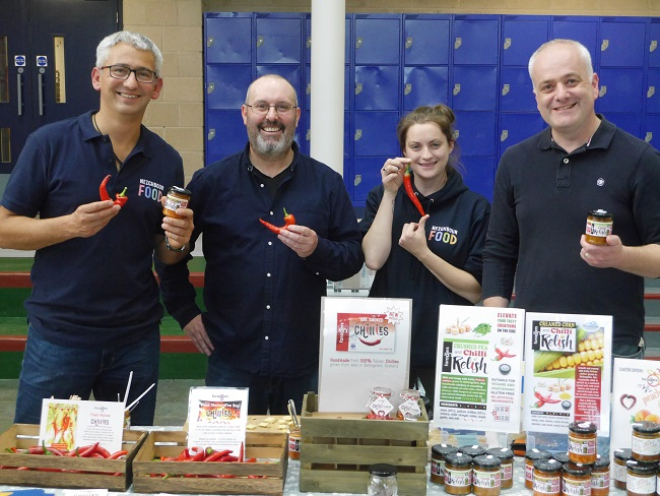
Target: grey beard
[272,149]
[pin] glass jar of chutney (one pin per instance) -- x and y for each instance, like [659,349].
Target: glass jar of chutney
[458,473]
[531,456]
[582,442]
[620,470]
[640,478]
[438,454]
[486,475]
[645,441]
[176,198]
[599,226]
[576,479]
[506,458]
[547,477]
[600,476]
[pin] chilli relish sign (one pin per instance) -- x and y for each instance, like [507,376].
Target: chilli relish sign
[568,371]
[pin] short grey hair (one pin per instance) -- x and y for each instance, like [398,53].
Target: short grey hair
[136,40]
[582,50]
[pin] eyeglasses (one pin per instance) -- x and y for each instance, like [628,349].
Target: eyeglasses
[123,72]
[262,108]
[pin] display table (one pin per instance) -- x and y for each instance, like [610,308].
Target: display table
[291,487]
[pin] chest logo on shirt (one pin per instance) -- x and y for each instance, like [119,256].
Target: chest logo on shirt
[600,182]
[443,234]
[150,189]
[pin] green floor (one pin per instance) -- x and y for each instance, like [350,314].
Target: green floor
[13,321]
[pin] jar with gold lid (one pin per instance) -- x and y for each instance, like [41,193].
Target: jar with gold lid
[600,476]
[486,475]
[646,441]
[506,458]
[582,442]
[640,478]
[576,479]
[458,473]
[619,470]
[438,454]
[547,477]
[531,456]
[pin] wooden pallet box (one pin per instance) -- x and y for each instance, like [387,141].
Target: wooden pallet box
[337,449]
[270,450]
[64,472]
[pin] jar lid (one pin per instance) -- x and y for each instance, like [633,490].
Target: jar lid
[547,465]
[487,461]
[382,469]
[646,427]
[623,454]
[381,391]
[599,212]
[582,427]
[537,454]
[576,468]
[641,468]
[561,457]
[181,191]
[472,450]
[501,453]
[458,459]
[601,462]
[443,449]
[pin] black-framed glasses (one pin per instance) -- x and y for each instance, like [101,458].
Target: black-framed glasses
[262,108]
[123,72]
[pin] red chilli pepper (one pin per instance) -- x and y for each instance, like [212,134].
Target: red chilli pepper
[289,220]
[120,198]
[118,454]
[407,184]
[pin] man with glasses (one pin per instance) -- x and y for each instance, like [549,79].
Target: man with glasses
[94,312]
[263,290]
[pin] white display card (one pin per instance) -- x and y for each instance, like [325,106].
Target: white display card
[69,424]
[217,418]
[568,362]
[479,368]
[365,343]
[635,397]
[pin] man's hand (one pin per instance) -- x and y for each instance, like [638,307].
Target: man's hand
[178,230]
[90,218]
[602,256]
[197,332]
[300,239]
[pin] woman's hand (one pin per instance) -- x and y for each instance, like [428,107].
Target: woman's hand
[392,173]
[413,237]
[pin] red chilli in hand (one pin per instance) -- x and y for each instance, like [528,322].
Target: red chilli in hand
[289,220]
[121,198]
[407,185]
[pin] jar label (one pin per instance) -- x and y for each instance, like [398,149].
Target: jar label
[458,478]
[620,472]
[599,229]
[381,406]
[507,471]
[410,409]
[438,468]
[294,444]
[173,203]
[576,488]
[600,481]
[646,446]
[486,479]
[640,485]
[547,485]
[582,446]
[529,472]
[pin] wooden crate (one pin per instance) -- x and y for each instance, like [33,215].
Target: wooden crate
[270,449]
[65,472]
[337,449]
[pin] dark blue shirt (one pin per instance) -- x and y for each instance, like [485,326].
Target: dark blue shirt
[89,292]
[263,301]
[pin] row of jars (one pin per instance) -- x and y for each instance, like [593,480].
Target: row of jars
[549,474]
[384,405]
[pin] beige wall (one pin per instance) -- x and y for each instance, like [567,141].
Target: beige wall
[176,26]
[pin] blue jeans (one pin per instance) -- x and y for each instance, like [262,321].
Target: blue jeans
[52,370]
[268,394]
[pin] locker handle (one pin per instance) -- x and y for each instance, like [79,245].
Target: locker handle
[358,42]
[210,135]
[357,179]
[458,42]
[457,89]
[358,134]
[507,43]
[358,88]
[308,135]
[408,89]
[604,45]
[19,91]
[40,92]
[603,90]
[210,41]
[504,135]
[409,42]
[505,89]
[648,137]
[650,92]
[654,46]
[260,41]
[210,88]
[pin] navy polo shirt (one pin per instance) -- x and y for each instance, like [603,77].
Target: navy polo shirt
[90,292]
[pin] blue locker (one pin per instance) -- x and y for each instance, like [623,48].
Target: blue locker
[623,42]
[374,133]
[279,39]
[377,87]
[516,93]
[475,88]
[582,29]
[308,87]
[621,90]
[631,123]
[292,73]
[514,128]
[228,38]
[425,86]
[479,174]
[652,130]
[653,91]
[308,39]
[377,39]
[367,175]
[476,133]
[426,40]
[226,85]
[654,44]
[476,39]
[225,133]
[521,36]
